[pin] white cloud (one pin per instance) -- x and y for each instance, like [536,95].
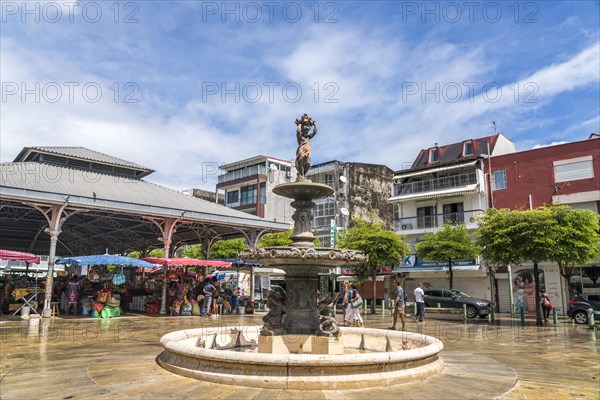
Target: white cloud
[177,134]
[539,146]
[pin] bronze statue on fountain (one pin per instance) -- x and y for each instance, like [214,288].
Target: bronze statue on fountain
[303,136]
[329,325]
[276,316]
[298,313]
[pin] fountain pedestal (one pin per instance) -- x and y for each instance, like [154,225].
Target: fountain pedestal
[302,261]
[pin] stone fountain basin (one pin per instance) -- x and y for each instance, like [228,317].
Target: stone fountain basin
[224,360]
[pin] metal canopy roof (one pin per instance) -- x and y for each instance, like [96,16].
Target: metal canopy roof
[79,153]
[111,212]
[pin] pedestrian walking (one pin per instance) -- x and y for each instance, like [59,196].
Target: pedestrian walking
[399,306]
[208,292]
[347,304]
[357,301]
[546,305]
[420,301]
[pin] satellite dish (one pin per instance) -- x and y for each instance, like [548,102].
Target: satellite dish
[343,179]
[273,167]
[344,211]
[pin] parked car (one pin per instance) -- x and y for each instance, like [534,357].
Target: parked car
[449,298]
[579,305]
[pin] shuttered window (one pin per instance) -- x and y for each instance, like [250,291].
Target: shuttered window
[574,169]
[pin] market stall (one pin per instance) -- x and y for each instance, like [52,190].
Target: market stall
[24,295]
[103,292]
[184,286]
[245,284]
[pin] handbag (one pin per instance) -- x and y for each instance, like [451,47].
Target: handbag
[357,303]
[546,302]
[119,279]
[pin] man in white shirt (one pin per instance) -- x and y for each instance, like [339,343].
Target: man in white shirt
[420,300]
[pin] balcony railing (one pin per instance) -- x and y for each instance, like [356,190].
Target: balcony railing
[437,184]
[243,173]
[436,220]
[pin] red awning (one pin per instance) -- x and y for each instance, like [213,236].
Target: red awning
[18,256]
[190,262]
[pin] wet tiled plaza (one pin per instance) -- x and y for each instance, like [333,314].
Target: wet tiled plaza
[81,358]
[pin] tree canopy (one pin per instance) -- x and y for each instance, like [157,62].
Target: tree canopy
[576,235]
[379,244]
[550,233]
[276,239]
[554,233]
[193,251]
[448,244]
[280,239]
[227,248]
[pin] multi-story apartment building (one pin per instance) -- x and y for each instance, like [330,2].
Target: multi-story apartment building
[567,173]
[360,190]
[445,184]
[248,186]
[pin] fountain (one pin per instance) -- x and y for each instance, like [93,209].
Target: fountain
[300,345]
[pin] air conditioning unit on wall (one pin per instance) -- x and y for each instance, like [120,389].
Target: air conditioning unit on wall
[406,227]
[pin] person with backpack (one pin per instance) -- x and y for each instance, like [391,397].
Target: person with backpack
[399,304]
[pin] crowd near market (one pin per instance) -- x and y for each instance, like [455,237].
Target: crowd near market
[103,290]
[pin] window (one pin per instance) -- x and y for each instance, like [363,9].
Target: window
[468,149]
[573,169]
[425,217]
[233,197]
[499,180]
[263,193]
[433,155]
[248,195]
[593,297]
[454,213]
[434,293]
[328,179]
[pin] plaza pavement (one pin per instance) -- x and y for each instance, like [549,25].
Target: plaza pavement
[84,358]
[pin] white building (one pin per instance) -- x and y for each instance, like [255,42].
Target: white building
[445,184]
[248,186]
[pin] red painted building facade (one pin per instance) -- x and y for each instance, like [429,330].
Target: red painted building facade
[566,173]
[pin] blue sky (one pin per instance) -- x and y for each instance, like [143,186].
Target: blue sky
[182,86]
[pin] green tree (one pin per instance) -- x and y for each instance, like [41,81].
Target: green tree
[450,243]
[276,239]
[227,248]
[193,251]
[379,244]
[577,240]
[156,253]
[280,239]
[135,254]
[513,237]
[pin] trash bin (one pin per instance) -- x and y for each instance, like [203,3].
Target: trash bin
[25,311]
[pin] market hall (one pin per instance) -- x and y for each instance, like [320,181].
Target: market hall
[72,201]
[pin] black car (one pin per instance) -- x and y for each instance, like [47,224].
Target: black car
[579,305]
[450,298]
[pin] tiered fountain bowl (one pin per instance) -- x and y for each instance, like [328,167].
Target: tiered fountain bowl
[299,355]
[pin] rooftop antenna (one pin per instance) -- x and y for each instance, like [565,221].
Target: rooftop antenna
[495,127]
